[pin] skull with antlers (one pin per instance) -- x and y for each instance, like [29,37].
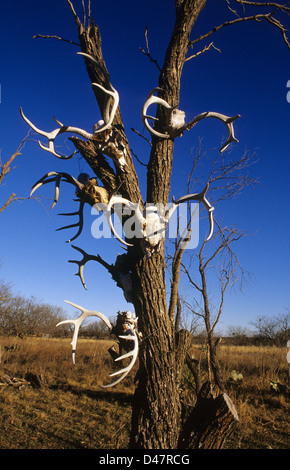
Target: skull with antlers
[150,224]
[175,120]
[106,138]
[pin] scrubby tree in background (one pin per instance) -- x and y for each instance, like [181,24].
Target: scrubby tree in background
[272,329]
[160,419]
[20,316]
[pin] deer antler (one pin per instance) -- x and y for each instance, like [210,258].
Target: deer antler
[228,121]
[87,191]
[53,134]
[154,100]
[200,197]
[108,116]
[131,336]
[80,222]
[133,354]
[135,207]
[77,323]
[84,260]
[57,178]
[176,126]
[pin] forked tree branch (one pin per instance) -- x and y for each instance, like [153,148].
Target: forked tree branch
[283,8]
[77,20]
[205,49]
[9,200]
[147,52]
[5,168]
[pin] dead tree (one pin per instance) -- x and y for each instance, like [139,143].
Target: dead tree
[159,420]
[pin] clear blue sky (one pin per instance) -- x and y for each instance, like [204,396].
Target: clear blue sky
[47,79]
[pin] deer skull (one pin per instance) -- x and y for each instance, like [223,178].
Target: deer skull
[175,120]
[151,223]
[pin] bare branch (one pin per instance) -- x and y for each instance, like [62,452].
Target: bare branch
[84,13]
[138,160]
[9,200]
[77,20]
[227,177]
[181,247]
[259,17]
[6,168]
[206,48]
[281,28]
[147,52]
[190,279]
[225,24]
[55,37]
[283,8]
[142,136]
[89,11]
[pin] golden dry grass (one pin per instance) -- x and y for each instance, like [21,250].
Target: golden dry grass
[264,413]
[74,411]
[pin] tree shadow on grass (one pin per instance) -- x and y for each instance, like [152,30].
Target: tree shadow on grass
[110,396]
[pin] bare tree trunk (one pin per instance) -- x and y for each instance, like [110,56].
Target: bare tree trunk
[156,409]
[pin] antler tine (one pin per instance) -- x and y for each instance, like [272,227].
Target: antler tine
[227,120]
[154,100]
[88,56]
[109,117]
[108,214]
[82,262]
[42,181]
[112,92]
[79,224]
[78,321]
[57,178]
[231,132]
[125,370]
[73,130]
[50,136]
[51,149]
[200,197]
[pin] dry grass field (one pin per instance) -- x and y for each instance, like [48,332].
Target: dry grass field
[69,409]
